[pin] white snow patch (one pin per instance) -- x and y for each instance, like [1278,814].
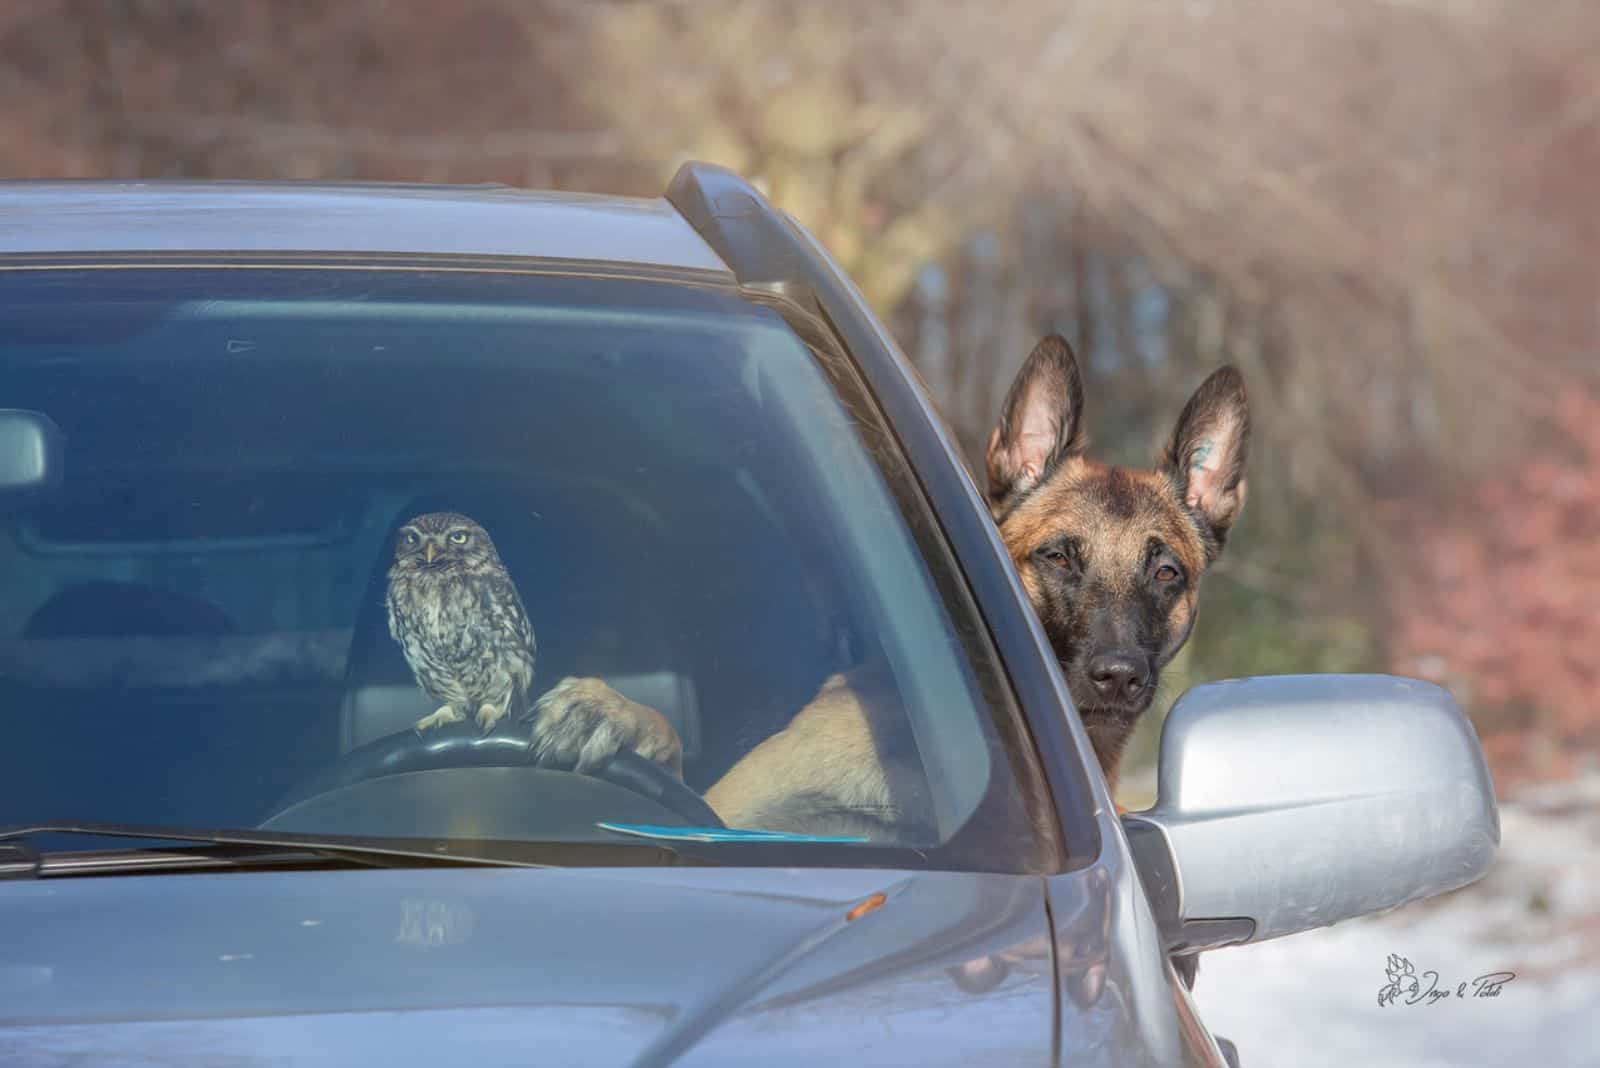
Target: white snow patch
[1312,999]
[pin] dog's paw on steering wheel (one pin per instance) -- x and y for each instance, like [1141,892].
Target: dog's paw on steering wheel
[582,722]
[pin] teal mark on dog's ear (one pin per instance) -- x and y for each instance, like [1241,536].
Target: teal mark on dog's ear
[1201,451]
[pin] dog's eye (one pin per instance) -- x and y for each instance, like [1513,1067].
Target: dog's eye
[1057,557]
[1166,573]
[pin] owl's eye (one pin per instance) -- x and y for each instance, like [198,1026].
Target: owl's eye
[459,537]
[410,539]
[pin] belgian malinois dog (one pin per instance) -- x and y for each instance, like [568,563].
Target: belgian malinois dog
[1110,557]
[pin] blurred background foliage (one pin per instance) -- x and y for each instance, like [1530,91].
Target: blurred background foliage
[1380,210]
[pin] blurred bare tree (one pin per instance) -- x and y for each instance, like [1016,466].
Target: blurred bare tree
[1378,209]
[367,89]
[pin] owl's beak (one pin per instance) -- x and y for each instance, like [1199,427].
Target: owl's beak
[431,551]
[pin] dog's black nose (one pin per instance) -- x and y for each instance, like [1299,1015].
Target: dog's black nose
[1118,678]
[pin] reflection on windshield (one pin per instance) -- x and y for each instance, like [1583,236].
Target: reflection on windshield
[432,543]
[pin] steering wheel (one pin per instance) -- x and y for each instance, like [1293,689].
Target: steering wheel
[460,745]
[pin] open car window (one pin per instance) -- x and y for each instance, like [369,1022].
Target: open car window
[694,506]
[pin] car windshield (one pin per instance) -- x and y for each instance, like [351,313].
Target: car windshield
[693,506]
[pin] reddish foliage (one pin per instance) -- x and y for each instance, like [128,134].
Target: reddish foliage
[1499,600]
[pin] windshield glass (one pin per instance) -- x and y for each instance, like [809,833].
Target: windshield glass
[321,545]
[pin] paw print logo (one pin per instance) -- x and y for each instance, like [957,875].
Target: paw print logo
[1402,980]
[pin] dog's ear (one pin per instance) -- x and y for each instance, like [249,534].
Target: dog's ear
[1041,423]
[1206,456]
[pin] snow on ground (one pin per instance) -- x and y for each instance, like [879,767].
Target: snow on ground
[1312,999]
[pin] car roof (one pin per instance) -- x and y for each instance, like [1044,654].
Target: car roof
[73,218]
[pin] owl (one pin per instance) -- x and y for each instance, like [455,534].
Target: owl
[457,616]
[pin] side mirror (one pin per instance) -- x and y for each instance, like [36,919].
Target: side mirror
[1291,802]
[30,455]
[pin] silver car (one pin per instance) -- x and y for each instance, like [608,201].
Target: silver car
[715,483]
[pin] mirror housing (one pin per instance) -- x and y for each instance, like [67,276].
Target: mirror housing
[1286,803]
[30,455]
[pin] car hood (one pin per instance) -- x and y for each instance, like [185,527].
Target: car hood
[599,966]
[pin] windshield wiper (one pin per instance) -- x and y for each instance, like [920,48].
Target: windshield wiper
[217,849]
[20,860]
[240,849]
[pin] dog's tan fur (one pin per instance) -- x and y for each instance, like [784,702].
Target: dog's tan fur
[829,753]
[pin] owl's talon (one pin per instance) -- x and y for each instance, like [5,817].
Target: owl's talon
[488,716]
[444,716]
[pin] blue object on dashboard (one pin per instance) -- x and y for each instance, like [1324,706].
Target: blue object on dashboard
[719,834]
